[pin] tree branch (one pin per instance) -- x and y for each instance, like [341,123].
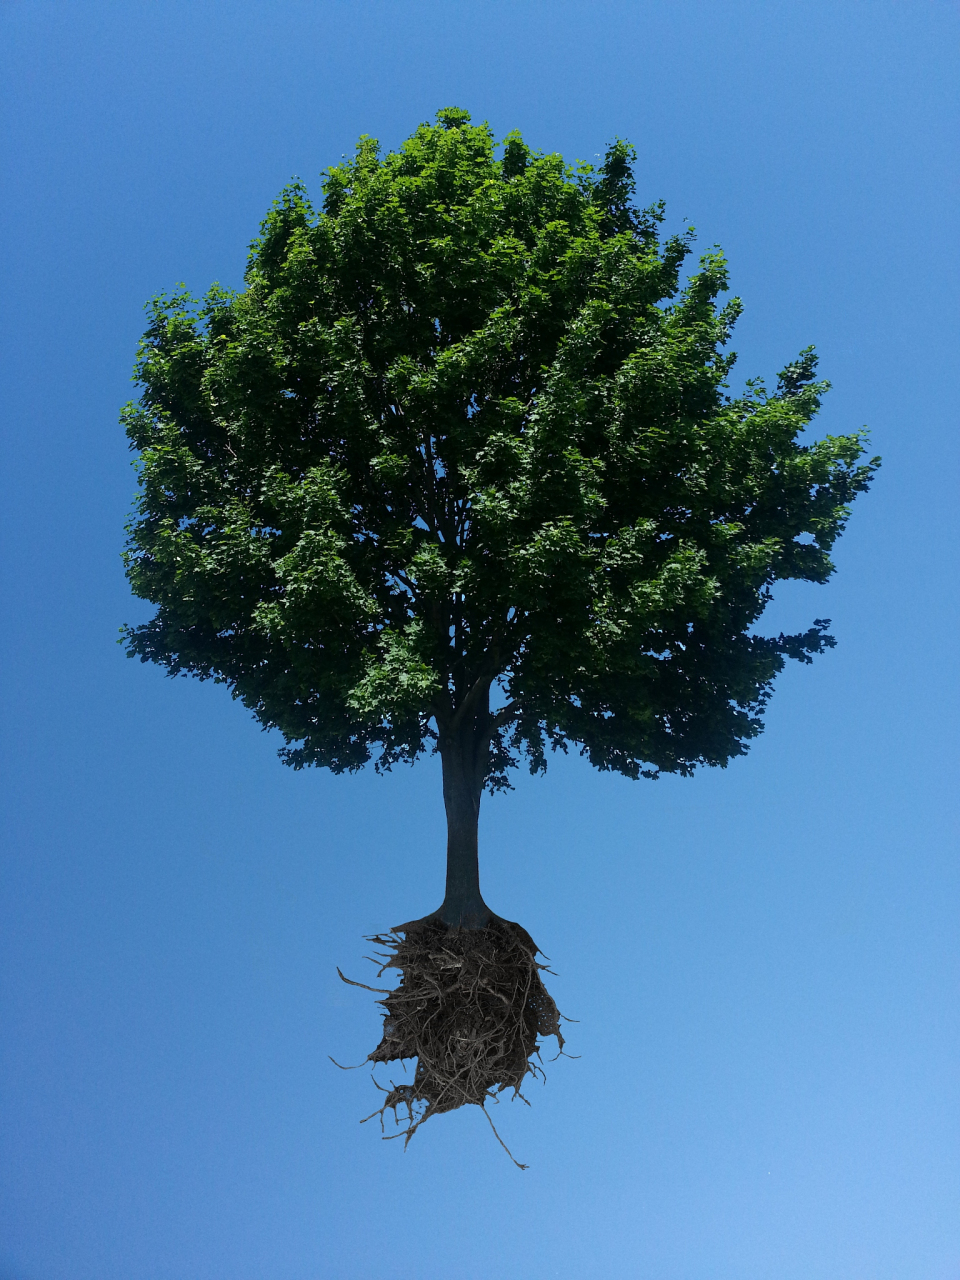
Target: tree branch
[505,715]
[437,514]
[478,688]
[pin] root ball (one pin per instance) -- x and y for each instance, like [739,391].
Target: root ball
[469,1007]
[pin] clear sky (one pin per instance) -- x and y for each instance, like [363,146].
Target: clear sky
[763,960]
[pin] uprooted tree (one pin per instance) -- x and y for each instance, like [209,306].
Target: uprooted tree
[459,471]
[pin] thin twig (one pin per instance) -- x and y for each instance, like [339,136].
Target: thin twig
[501,1141]
[383,990]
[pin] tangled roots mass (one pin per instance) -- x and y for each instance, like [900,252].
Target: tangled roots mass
[469,1008]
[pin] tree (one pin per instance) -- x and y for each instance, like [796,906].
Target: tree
[459,470]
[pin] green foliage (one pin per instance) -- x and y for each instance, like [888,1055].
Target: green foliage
[464,431]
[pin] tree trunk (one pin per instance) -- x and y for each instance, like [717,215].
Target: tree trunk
[464,757]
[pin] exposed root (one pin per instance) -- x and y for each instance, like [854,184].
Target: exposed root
[469,1008]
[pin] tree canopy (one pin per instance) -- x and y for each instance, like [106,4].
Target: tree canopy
[463,449]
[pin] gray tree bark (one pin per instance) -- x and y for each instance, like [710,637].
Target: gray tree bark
[465,755]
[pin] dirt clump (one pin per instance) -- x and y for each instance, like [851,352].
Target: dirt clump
[469,1007]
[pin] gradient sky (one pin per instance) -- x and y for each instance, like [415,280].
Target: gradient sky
[763,960]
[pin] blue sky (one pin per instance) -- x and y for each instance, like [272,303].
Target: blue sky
[763,960]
